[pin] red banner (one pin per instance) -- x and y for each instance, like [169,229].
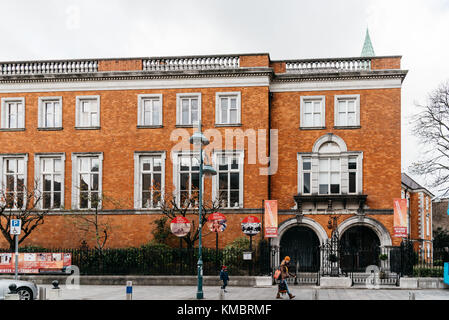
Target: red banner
[400,218]
[33,262]
[271,218]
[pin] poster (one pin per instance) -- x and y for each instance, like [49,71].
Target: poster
[400,218]
[251,225]
[271,218]
[180,226]
[217,222]
[33,262]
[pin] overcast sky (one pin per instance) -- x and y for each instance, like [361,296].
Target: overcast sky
[416,29]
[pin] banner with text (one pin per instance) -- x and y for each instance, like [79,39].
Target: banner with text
[34,262]
[400,218]
[271,218]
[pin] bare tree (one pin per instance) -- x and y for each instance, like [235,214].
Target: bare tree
[171,207]
[21,203]
[92,222]
[431,126]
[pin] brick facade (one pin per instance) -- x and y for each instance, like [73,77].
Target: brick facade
[270,99]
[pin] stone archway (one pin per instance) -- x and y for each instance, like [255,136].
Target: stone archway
[305,225]
[377,227]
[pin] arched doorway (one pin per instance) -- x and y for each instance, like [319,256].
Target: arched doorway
[301,244]
[360,248]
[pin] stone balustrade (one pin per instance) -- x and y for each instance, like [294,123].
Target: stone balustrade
[326,65]
[48,67]
[191,63]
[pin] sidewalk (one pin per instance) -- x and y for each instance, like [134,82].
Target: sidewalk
[93,292]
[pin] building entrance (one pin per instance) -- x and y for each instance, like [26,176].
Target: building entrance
[301,244]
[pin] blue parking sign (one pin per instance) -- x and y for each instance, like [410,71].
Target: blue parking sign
[16,226]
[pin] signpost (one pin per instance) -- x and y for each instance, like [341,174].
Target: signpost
[250,226]
[15,229]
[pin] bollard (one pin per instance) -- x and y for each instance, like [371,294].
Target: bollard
[129,290]
[55,292]
[12,295]
[315,294]
[411,295]
[42,293]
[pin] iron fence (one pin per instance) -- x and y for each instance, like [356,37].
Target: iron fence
[163,260]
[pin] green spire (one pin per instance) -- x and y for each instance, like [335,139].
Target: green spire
[367,50]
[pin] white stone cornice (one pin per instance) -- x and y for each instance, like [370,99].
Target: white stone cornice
[350,84]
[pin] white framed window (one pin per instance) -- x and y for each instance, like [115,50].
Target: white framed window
[313,112]
[149,110]
[13,180]
[329,176]
[87,112]
[306,165]
[352,175]
[49,175]
[428,225]
[228,108]
[50,112]
[13,113]
[149,177]
[188,110]
[227,185]
[87,171]
[330,168]
[347,110]
[186,172]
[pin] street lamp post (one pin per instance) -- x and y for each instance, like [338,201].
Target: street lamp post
[200,140]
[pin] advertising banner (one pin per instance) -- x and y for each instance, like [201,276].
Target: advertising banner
[217,222]
[33,262]
[400,218]
[271,218]
[251,225]
[180,226]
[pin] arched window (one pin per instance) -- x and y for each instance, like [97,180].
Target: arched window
[330,168]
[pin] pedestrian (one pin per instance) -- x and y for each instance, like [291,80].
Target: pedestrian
[283,277]
[224,277]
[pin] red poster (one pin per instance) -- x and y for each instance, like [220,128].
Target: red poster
[400,218]
[271,218]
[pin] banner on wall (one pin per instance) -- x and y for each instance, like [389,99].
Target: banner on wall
[34,262]
[400,218]
[271,218]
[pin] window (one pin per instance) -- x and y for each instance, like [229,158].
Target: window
[88,112]
[313,112]
[347,110]
[352,173]
[13,181]
[306,175]
[330,168]
[228,183]
[187,177]
[427,225]
[149,179]
[329,176]
[86,180]
[50,112]
[13,113]
[227,108]
[149,110]
[188,109]
[50,179]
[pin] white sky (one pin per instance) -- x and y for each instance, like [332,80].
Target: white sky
[418,30]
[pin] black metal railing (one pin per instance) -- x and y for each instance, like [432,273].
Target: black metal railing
[163,260]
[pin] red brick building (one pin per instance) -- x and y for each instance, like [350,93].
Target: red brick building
[86,128]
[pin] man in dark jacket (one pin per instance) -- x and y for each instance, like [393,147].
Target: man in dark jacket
[224,277]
